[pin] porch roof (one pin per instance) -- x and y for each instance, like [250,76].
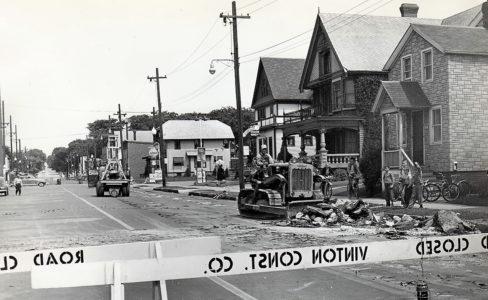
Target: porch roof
[403,95]
[321,122]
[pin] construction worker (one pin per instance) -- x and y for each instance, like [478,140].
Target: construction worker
[263,158]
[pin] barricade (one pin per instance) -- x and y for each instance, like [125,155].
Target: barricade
[76,256]
[120,272]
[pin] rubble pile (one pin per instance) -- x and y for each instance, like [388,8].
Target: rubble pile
[358,213]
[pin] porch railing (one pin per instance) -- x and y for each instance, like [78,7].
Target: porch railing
[299,115]
[340,160]
[273,120]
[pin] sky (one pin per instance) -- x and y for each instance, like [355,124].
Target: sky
[65,63]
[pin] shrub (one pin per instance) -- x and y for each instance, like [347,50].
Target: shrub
[187,172]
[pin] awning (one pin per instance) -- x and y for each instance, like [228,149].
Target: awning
[400,95]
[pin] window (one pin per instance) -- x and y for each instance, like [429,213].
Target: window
[271,110]
[427,65]
[324,62]
[350,99]
[407,67]
[177,144]
[436,125]
[336,94]
[178,162]
[263,87]
[261,113]
[290,141]
[197,144]
[134,135]
[308,141]
[225,144]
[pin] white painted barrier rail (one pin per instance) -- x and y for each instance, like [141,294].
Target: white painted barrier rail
[258,261]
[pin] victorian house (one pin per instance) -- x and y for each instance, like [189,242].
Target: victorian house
[343,69]
[276,93]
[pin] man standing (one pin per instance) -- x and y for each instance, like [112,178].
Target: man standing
[18,186]
[417,184]
[388,182]
[353,176]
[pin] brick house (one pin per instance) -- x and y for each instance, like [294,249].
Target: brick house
[343,68]
[434,106]
[276,93]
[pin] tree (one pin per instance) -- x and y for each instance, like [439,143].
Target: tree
[58,160]
[34,161]
[228,115]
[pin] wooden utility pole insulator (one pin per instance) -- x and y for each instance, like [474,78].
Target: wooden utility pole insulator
[234,18]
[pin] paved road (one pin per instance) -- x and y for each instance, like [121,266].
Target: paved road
[67,215]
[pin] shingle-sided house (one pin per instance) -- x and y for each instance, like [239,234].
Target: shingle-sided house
[343,68]
[276,93]
[434,106]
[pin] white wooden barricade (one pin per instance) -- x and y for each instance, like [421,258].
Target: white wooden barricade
[113,255]
[256,261]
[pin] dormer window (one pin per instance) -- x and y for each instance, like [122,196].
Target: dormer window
[427,65]
[407,67]
[324,62]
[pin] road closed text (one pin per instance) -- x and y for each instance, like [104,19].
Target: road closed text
[437,246]
[14,262]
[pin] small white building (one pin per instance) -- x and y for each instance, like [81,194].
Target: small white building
[183,137]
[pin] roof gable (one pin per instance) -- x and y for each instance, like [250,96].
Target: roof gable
[469,17]
[402,94]
[447,39]
[365,42]
[283,77]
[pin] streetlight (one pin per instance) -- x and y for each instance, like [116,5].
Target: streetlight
[240,169]
[212,70]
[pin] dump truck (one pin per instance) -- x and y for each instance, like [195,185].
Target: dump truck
[286,189]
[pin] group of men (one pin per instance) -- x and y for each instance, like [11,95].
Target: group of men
[410,185]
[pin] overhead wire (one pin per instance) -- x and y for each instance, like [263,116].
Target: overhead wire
[264,6]
[195,49]
[249,4]
[303,33]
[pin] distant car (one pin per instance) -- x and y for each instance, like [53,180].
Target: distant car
[3,186]
[30,180]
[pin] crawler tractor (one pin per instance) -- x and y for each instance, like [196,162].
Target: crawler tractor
[287,189]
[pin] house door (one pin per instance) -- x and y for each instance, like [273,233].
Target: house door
[418,136]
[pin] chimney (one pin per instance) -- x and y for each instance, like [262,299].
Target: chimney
[409,10]
[484,11]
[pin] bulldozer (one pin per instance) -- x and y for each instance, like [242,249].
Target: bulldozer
[286,189]
[112,178]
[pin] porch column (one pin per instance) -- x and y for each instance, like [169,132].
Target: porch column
[302,145]
[323,151]
[361,138]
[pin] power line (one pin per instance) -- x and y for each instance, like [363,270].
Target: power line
[58,108]
[305,32]
[205,53]
[264,6]
[196,48]
[247,5]
[225,74]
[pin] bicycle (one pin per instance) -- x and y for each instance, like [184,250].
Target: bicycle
[463,185]
[449,190]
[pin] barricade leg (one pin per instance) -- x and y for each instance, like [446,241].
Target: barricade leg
[117,288]
[159,287]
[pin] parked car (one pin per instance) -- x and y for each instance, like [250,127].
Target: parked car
[3,186]
[31,180]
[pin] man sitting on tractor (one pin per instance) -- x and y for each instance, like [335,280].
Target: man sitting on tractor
[261,162]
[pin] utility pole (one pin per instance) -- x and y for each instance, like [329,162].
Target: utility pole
[11,139]
[16,143]
[234,18]
[153,117]
[120,114]
[3,122]
[160,117]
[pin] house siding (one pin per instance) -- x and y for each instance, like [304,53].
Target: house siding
[436,156]
[468,115]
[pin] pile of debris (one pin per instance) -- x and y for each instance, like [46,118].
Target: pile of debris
[358,213]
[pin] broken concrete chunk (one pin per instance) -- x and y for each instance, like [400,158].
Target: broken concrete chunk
[397,219]
[299,215]
[406,218]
